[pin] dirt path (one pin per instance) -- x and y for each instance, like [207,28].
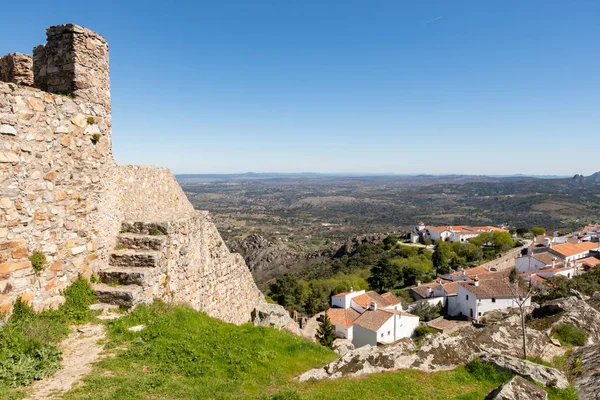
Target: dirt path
[80,350]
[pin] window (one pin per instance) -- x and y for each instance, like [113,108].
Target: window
[493,299]
[479,314]
[467,297]
[389,333]
[382,334]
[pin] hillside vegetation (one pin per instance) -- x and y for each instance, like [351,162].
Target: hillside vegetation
[184,354]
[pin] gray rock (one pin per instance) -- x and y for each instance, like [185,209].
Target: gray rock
[272,315]
[584,366]
[575,312]
[578,294]
[518,389]
[549,377]
[342,346]
[367,360]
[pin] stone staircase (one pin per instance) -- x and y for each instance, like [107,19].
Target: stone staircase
[133,265]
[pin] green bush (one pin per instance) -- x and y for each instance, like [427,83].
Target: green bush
[570,334]
[78,297]
[91,120]
[423,330]
[27,346]
[95,138]
[485,372]
[38,261]
[28,340]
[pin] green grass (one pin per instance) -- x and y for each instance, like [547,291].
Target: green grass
[28,340]
[569,334]
[184,354]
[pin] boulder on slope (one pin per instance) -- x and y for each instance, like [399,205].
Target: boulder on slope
[547,376]
[518,389]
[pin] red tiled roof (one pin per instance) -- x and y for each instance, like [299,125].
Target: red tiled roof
[391,299]
[591,261]
[364,300]
[490,288]
[569,249]
[343,316]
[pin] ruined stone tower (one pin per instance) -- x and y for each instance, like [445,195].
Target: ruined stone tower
[62,195]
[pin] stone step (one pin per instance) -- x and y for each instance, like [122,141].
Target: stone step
[145,228]
[125,275]
[135,258]
[127,296]
[137,241]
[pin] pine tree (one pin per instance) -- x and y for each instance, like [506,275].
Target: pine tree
[326,332]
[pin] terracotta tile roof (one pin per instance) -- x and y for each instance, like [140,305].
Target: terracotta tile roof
[364,300]
[489,288]
[539,279]
[569,249]
[373,319]
[421,290]
[591,261]
[465,229]
[471,272]
[343,316]
[391,299]
[546,257]
[450,288]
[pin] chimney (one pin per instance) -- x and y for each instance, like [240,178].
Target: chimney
[463,272]
[351,289]
[373,306]
[429,292]
[418,283]
[554,262]
[476,282]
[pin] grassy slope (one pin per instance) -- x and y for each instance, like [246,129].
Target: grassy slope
[186,354]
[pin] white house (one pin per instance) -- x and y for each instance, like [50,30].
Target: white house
[342,300]
[537,261]
[460,233]
[343,319]
[383,326]
[478,297]
[347,308]
[572,252]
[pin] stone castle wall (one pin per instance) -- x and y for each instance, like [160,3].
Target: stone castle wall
[61,192]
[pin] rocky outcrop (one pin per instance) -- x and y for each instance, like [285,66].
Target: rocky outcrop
[274,316]
[443,352]
[342,346]
[584,367]
[518,389]
[576,312]
[549,377]
[440,352]
[269,259]
[366,360]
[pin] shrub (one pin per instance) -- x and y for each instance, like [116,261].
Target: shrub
[155,231]
[95,138]
[78,297]
[423,330]
[570,334]
[38,261]
[485,372]
[27,350]
[427,311]
[91,121]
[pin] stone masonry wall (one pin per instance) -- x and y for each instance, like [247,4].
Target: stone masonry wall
[52,179]
[17,68]
[61,192]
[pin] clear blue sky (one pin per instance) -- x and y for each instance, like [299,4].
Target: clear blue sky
[446,86]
